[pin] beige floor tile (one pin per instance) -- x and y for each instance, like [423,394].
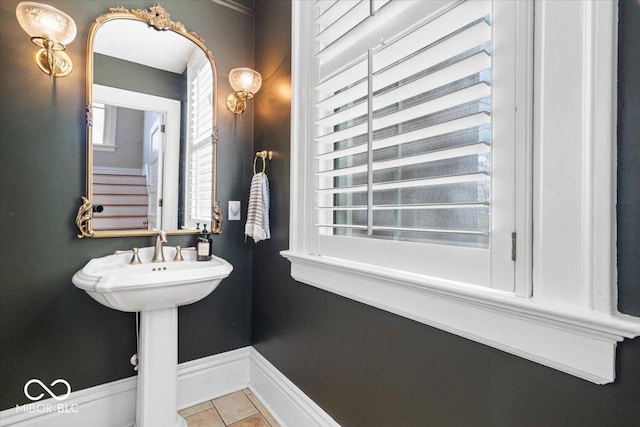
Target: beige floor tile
[247,391]
[252,421]
[234,407]
[187,412]
[263,410]
[208,418]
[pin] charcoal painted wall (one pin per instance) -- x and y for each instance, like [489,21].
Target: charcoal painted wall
[367,367]
[48,328]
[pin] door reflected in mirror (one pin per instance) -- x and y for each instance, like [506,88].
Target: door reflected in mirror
[152,132]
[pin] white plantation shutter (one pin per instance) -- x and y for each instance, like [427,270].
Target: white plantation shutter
[202,109]
[200,81]
[404,135]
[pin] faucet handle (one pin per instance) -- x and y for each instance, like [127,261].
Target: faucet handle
[178,256]
[135,259]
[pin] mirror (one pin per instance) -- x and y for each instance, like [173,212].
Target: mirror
[151,128]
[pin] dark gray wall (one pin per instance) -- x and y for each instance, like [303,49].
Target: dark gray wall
[48,328]
[367,367]
[628,208]
[115,72]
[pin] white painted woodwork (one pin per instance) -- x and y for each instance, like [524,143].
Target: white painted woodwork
[114,403]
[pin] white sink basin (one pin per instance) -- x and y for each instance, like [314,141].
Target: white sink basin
[115,283]
[156,291]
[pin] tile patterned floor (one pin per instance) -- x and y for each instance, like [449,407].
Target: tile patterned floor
[239,409]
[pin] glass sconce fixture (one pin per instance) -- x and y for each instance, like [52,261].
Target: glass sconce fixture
[52,30]
[245,83]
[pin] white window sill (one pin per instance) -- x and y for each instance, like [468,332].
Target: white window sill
[103,147]
[581,343]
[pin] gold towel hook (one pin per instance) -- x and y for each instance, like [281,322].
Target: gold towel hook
[264,154]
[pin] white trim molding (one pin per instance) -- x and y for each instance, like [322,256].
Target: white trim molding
[557,337]
[213,376]
[565,316]
[114,404]
[282,398]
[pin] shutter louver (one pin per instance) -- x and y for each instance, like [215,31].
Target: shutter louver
[340,18]
[403,133]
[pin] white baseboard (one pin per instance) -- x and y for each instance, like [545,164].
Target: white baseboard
[113,404]
[214,376]
[286,402]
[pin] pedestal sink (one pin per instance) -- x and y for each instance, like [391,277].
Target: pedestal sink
[155,290]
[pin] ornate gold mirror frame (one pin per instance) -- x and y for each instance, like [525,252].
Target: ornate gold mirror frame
[158,18]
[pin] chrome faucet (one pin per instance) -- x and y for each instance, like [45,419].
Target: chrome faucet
[158,253]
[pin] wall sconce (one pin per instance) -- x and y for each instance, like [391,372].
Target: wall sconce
[52,30]
[245,82]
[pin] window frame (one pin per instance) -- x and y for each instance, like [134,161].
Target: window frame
[566,305]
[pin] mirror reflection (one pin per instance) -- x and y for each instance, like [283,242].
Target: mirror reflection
[133,155]
[152,96]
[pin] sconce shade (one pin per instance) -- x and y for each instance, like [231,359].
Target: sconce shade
[41,20]
[245,80]
[52,30]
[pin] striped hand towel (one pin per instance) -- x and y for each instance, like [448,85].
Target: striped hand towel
[257,225]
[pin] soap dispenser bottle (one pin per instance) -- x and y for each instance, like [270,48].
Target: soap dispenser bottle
[205,245]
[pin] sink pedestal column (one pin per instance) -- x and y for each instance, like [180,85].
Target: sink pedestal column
[157,400]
